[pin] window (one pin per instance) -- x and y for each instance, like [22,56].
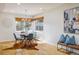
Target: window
[22,26]
[39,25]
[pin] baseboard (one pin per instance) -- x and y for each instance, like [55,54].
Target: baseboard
[6,40]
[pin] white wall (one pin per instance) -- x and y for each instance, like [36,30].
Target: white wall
[54,24]
[40,34]
[8,26]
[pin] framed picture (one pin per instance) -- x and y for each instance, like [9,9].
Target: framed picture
[71,20]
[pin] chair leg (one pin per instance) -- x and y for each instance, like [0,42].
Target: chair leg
[66,48]
[71,50]
[15,41]
[57,47]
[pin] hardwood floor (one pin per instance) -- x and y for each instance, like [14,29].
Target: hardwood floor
[42,49]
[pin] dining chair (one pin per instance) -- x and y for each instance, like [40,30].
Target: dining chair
[17,37]
[30,37]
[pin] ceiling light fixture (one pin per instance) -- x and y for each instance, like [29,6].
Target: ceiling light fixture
[11,10]
[18,3]
[41,8]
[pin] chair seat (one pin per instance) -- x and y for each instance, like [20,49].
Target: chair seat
[20,38]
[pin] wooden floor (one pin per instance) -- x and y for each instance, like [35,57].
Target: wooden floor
[42,49]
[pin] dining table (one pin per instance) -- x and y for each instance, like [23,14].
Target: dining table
[27,43]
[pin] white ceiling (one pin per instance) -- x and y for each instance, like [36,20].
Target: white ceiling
[27,8]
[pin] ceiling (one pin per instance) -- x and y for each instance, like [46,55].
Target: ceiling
[27,8]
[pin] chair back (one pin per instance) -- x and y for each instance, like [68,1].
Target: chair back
[30,37]
[15,36]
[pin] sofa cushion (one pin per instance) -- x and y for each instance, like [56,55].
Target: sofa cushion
[67,40]
[70,41]
[62,39]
